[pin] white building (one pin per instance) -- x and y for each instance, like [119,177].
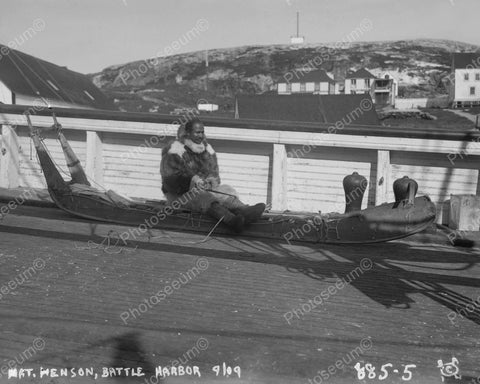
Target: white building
[359,82]
[207,107]
[27,80]
[316,82]
[383,90]
[465,79]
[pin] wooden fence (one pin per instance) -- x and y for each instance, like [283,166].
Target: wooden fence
[295,166]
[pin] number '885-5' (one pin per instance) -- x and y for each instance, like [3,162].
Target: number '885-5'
[368,371]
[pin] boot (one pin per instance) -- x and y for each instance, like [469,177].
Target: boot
[251,213]
[234,222]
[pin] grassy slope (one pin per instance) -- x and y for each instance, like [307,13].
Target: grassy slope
[445,120]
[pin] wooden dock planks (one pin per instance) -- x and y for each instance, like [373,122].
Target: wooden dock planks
[237,303]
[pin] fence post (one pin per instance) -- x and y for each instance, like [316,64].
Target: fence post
[94,161]
[382,183]
[9,159]
[279,178]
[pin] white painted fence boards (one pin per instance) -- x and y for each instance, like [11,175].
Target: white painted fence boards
[248,174]
[315,184]
[30,172]
[131,165]
[262,136]
[131,154]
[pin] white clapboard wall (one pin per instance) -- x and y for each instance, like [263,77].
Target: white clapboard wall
[315,179]
[247,168]
[131,164]
[436,175]
[30,172]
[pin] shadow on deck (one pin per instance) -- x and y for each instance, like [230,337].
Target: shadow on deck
[384,281]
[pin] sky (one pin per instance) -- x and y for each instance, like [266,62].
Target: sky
[89,35]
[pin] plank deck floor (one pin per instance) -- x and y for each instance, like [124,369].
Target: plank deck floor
[246,302]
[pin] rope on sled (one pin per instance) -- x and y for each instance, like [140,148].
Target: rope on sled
[206,238]
[113,235]
[106,247]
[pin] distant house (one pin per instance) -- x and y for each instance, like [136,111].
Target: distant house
[332,109]
[359,82]
[465,79]
[27,80]
[382,90]
[315,82]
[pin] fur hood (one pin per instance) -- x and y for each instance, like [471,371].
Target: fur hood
[183,159]
[178,146]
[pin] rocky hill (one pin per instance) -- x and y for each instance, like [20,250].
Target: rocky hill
[163,84]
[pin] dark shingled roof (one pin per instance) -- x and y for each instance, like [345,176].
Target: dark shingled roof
[318,76]
[309,108]
[464,60]
[26,75]
[362,73]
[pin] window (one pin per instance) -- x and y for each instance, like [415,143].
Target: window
[477,76]
[466,77]
[310,87]
[282,88]
[302,87]
[367,82]
[472,91]
[354,82]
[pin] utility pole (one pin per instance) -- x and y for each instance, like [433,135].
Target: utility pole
[298,24]
[206,70]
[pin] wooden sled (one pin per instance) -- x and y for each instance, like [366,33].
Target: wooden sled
[377,224]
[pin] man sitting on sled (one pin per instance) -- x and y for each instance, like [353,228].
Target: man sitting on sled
[189,171]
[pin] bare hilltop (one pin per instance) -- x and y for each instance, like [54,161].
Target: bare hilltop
[161,84]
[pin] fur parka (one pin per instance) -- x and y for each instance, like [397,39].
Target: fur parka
[184,160]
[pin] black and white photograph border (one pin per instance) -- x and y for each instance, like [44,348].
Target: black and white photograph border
[207,191]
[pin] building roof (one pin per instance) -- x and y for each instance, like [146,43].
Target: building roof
[316,76]
[308,108]
[466,60]
[362,73]
[27,75]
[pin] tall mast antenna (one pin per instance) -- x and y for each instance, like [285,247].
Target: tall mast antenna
[297,39]
[206,70]
[298,23]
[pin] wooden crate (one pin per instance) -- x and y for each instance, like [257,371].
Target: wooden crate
[464,212]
